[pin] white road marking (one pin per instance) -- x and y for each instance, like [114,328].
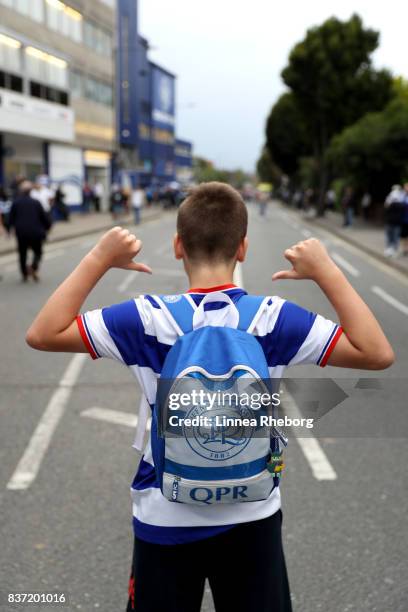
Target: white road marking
[305,232]
[129,278]
[313,452]
[167,247]
[373,261]
[390,299]
[51,254]
[287,219]
[116,417]
[5,259]
[47,256]
[30,463]
[345,264]
[124,285]
[318,461]
[11,261]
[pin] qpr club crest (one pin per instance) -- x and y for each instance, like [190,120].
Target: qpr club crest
[215,437]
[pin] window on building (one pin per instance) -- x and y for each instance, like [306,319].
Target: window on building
[52,94]
[144,131]
[10,54]
[36,65]
[97,38]
[45,68]
[57,73]
[76,84]
[64,19]
[145,108]
[31,8]
[11,81]
[91,88]
[106,94]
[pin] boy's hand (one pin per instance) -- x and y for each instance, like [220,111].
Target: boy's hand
[310,260]
[117,248]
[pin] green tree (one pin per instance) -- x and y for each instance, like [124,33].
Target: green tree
[286,134]
[204,171]
[373,152]
[334,83]
[267,170]
[400,88]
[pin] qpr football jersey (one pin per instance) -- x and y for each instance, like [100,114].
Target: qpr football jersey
[139,334]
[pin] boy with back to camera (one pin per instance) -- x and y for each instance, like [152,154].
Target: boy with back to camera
[237,546]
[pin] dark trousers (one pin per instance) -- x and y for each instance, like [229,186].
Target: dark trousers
[25,243]
[245,567]
[392,236]
[97,203]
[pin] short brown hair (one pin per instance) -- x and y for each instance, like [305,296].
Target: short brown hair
[211,222]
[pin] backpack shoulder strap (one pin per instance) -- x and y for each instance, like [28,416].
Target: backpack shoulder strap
[248,307]
[181,310]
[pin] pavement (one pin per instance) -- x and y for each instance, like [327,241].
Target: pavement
[69,531]
[365,235]
[80,225]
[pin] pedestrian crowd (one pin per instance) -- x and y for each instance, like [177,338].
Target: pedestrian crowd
[352,201]
[30,208]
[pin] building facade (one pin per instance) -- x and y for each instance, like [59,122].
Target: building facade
[184,161]
[57,91]
[146,109]
[79,98]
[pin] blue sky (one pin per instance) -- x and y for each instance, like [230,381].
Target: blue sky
[228,55]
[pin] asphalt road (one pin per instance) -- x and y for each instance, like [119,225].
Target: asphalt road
[344,497]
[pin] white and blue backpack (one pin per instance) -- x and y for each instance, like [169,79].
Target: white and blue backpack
[214,464]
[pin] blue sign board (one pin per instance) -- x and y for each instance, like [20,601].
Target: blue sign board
[163,97]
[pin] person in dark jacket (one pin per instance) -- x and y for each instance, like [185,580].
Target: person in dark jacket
[60,207]
[31,224]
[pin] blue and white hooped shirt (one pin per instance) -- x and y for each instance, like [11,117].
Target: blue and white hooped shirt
[139,334]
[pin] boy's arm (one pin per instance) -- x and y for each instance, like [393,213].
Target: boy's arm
[363,344]
[55,328]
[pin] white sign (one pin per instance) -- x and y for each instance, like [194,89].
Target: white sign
[163,117]
[20,114]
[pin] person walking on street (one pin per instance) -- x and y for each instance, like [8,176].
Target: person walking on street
[15,185]
[263,201]
[116,201]
[5,205]
[138,200]
[59,204]
[348,205]
[366,201]
[43,193]
[330,199]
[98,193]
[87,195]
[31,224]
[404,224]
[394,210]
